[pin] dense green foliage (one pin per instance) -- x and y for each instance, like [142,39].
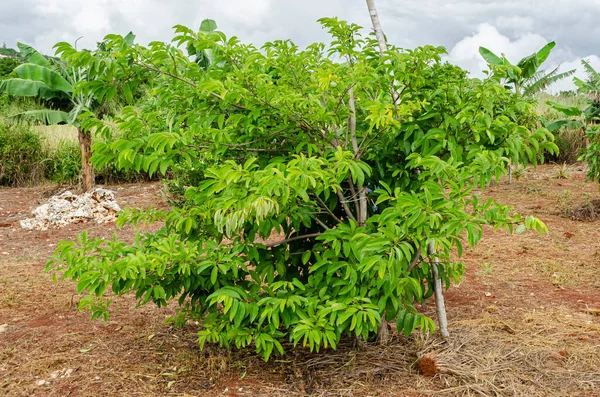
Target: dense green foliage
[315,195]
[7,65]
[8,52]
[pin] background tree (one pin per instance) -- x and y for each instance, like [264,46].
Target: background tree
[52,81]
[319,193]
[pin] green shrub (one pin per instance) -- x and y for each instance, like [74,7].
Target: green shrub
[21,155]
[362,188]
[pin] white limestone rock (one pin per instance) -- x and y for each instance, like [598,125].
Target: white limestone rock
[67,208]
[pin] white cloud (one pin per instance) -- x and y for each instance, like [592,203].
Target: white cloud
[514,27]
[466,54]
[567,84]
[515,23]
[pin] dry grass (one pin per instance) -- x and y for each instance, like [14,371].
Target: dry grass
[588,211]
[527,326]
[533,353]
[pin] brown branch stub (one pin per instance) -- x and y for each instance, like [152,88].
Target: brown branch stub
[415,261]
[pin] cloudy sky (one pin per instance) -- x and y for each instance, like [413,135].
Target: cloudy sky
[514,27]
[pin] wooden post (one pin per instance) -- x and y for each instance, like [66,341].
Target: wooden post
[440,305]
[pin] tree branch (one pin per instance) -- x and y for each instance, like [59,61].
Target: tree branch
[352,120]
[361,206]
[326,208]
[440,305]
[287,240]
[345,204]
[380,40]
[320,222]
[246,149]
[360,147]
[354,195]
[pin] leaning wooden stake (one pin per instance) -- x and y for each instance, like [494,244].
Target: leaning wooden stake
[377,26]
[380,38]
[440,306]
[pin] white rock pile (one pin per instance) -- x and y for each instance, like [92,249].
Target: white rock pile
[66,208]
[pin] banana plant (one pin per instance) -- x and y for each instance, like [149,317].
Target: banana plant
[525,77]
[590,88]
[585,120]
[52,81]
[577,118]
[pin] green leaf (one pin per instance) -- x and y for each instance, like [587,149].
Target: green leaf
[30,71]
[129,38]
[31,55]
[490,57]
[306,257]
[543,54]
[557,125]
[208,25]
[28,88]
[571,111]
[409,323]
[44,116]
[213,275]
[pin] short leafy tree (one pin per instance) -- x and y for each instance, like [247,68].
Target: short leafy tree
[318,193]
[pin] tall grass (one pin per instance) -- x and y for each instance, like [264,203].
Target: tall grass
[54,136]
[21,156]
[545,110]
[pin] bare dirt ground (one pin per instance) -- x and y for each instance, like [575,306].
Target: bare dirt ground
[525,322]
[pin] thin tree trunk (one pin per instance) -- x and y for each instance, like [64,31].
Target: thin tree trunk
[510,172]
[440,305]
[363,213]
[85,146]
